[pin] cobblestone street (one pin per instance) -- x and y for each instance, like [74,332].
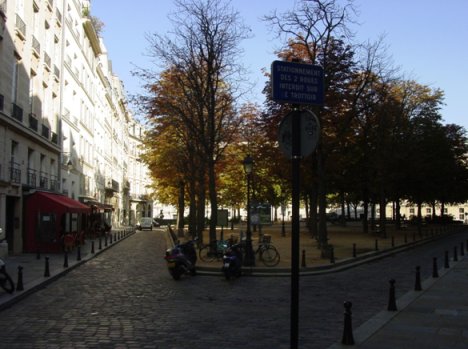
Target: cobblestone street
[125,298]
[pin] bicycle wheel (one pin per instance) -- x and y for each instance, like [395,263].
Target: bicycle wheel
[206,255]
[7,283]
[269,256]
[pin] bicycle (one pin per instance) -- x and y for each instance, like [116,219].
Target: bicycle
[5,280]
[268,254]
[205,253]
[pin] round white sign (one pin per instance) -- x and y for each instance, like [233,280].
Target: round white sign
[310,132]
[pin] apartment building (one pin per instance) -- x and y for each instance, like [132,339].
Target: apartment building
[65,128]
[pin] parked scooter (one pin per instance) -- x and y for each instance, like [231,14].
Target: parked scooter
[232,262]
[5,280]
[181,260]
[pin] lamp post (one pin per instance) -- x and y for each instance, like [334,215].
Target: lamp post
[249,254]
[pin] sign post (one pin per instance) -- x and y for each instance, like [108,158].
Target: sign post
[297,83]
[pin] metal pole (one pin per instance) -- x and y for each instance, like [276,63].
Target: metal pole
[295,171]
[249,260]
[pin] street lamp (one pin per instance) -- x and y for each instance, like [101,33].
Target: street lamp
[249,260]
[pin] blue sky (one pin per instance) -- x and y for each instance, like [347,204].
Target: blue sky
[427,39]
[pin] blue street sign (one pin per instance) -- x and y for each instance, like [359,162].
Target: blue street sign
[297,83]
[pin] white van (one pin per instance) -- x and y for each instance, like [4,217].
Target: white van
[145,223]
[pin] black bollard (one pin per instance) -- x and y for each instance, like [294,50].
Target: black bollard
[435,269]
[46,271]
[393,241]
[376,244]
[105,240]
[354,251]
[446,261]
[303,263]
[100,243]
[462,249]
[65,260]
[78,253]
[92,246]
[348,338]
[332,255]
[114,237]
[455,254]
[19,284]
[391,299]
[417,285]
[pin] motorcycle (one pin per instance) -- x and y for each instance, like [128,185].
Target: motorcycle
[5,280]
[232,262]
[181,260]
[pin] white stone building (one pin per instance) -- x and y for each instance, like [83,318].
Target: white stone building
[64,123]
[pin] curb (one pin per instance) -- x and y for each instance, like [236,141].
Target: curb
[379,320]
[344,264]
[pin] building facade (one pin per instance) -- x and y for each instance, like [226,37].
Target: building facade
[64,123]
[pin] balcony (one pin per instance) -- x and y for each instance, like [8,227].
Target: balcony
[15,173]
[56,73]
[32,177]
[20,27]
[112,186]
[17,112]
[54,184]
[58,15]
[47,61]
[45,132]
[36,47]
[33,122]
[43,180]
[92,36]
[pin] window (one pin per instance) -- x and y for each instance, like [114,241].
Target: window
[461,210]
[428,210]
[14,85]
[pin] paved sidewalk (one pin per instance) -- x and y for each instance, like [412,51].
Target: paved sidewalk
[436,317]
[367,247]
[34,269]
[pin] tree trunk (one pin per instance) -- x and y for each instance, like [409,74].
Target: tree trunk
[365,215]
[180,211]
[420,218]
[383,215]
[342,217]
[322,201]
[213,201]
[201,196]
[397,214]
[192,209]
[313,211]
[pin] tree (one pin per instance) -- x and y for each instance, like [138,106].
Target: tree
[204,51]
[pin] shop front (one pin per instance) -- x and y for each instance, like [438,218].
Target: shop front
[48,218]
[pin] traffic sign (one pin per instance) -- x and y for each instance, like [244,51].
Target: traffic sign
[297,83]
[310,131]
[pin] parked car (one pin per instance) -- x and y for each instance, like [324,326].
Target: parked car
[145,223]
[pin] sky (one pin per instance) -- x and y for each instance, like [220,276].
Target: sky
[426,39]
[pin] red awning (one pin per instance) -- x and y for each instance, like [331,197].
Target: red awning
[69,204]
